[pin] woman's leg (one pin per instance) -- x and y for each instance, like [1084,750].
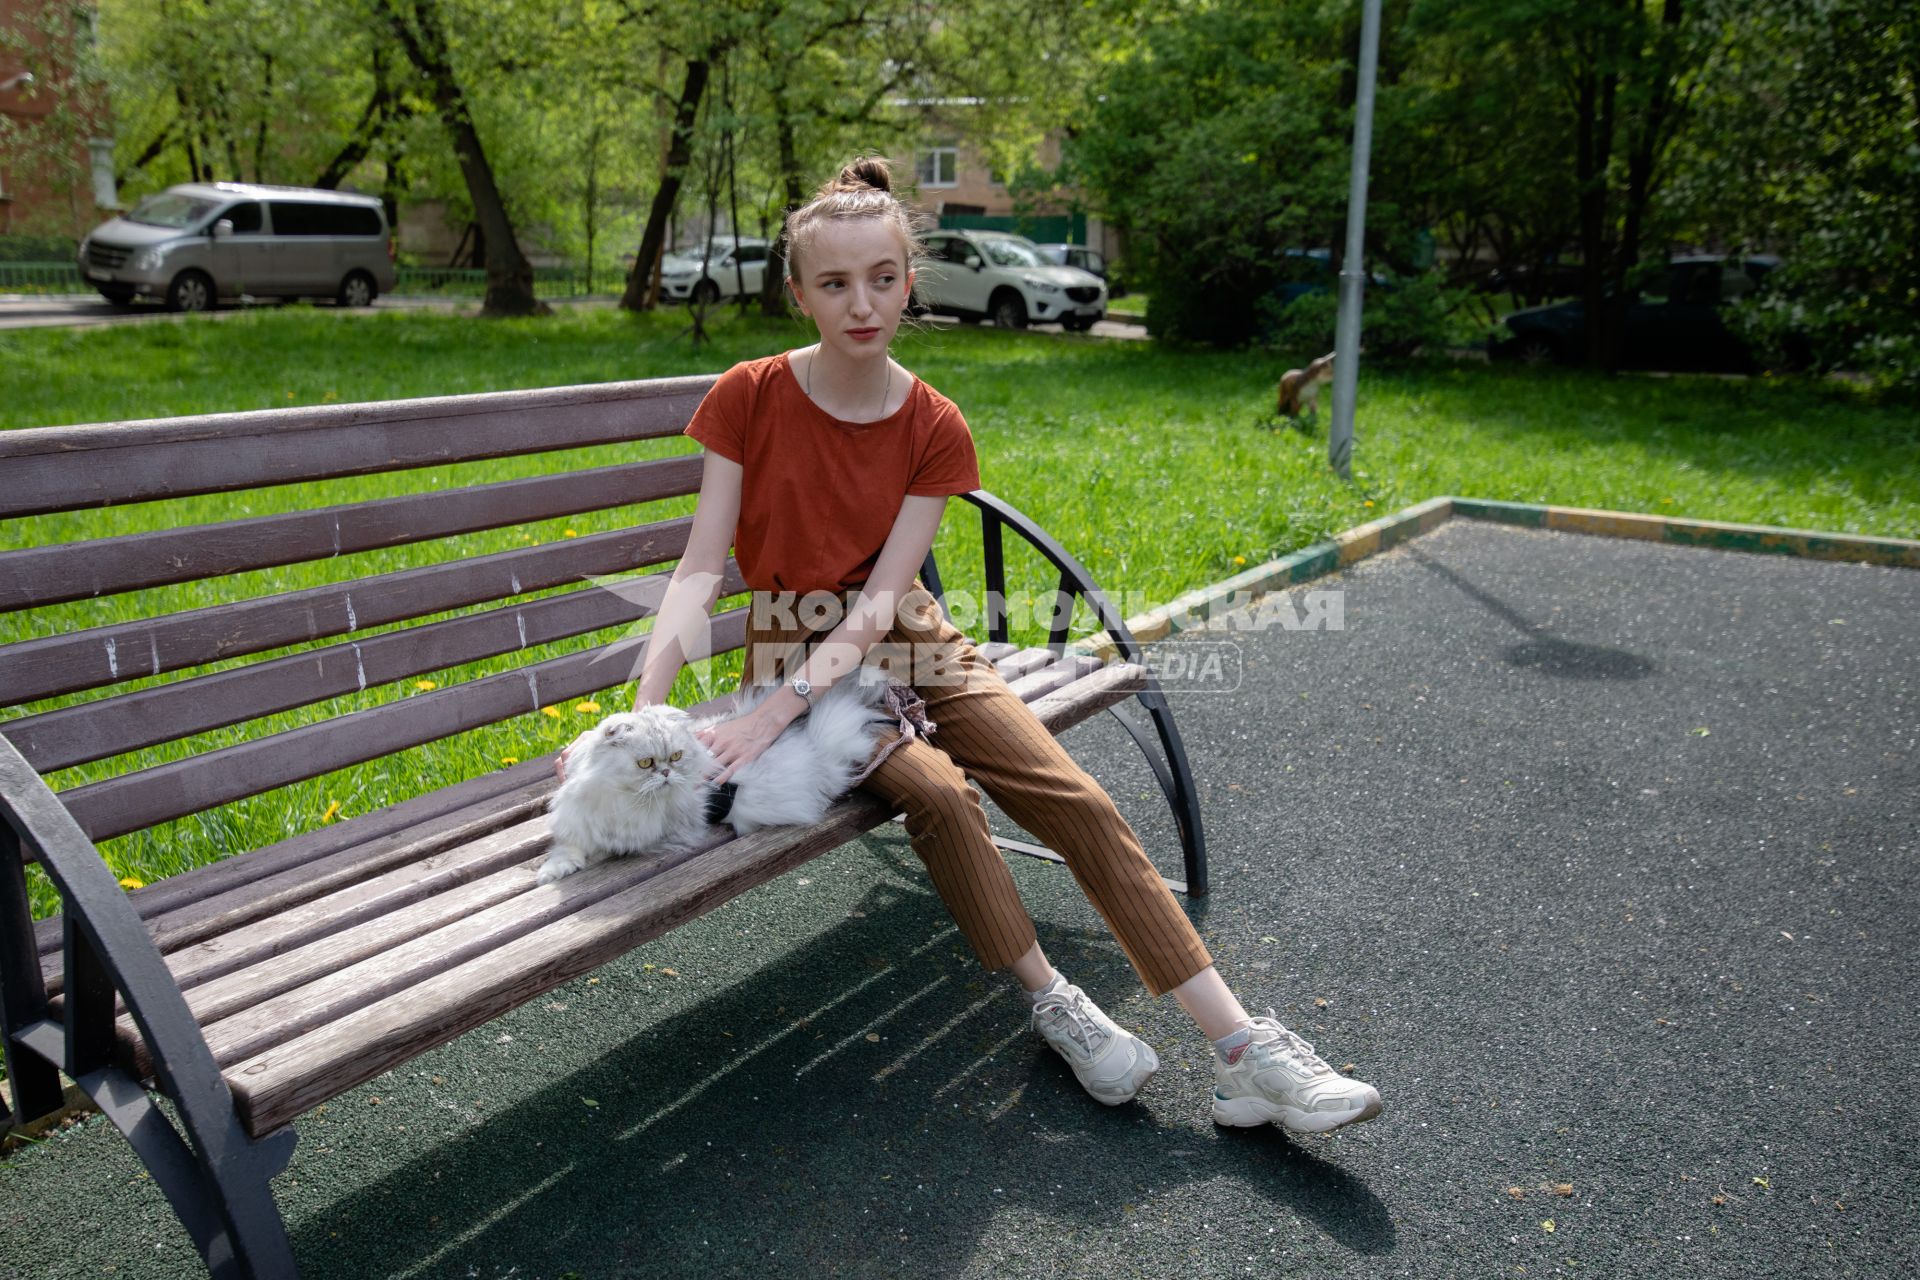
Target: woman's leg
[1212,1005]
[994,737]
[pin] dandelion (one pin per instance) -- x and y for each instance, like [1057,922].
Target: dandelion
[1369,502]
[425,684]
[1239,559]
[509,759]
[550,711]
[132,882]
[333,811]
[587,708]
[571,533]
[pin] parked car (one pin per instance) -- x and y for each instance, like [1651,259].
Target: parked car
[711,272]
[980,275]
[1673,323]
[1091,261]
[1304,271]
[194,244]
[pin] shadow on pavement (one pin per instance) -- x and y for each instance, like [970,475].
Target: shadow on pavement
[1549,655]
[800,1140]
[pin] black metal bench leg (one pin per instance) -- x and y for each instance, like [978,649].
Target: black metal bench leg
[33,1081]
[215,1175]
[1176,782]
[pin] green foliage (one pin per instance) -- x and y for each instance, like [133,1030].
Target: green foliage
[1808,145]
[36,248]
[1222,143]
[1217,144]
[1411,314]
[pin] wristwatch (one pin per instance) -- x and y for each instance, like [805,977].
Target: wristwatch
[802,687]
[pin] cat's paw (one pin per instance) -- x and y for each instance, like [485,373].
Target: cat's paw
[556,867]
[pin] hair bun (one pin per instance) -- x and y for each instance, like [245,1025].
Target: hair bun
[867,171]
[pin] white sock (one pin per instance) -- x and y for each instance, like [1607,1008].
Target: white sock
[1054,987]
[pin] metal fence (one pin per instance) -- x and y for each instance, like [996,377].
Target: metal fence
[452,282]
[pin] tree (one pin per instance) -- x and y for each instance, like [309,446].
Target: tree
[1808,144]
[639,291]
[1219,145]
[509,275]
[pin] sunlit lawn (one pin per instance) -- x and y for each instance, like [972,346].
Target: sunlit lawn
[1159,469]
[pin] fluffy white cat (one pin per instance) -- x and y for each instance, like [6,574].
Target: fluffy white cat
[636,782]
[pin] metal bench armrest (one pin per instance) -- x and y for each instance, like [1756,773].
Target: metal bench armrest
[216,1177]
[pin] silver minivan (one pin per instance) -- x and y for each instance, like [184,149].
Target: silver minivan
[199,242]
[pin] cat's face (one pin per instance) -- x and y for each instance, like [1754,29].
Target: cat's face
[644,750]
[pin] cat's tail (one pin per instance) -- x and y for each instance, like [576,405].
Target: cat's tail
[844,727]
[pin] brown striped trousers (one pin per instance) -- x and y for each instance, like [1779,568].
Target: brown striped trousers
[983,731]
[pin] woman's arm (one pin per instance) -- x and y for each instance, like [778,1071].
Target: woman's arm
[687,606]
[735,742]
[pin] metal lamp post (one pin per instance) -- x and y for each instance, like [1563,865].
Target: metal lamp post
[1353,271]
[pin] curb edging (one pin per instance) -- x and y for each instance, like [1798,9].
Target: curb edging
[1200,606]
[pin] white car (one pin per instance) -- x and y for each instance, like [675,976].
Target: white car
[994,275]
[715,273]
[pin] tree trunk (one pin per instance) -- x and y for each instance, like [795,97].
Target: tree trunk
[1593,153]
[773,285]
[679,151]
[509,276]
[1642,164]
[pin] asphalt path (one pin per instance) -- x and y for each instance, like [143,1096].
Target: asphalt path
[51,311]
[1599,853]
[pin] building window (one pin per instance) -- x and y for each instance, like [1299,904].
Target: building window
[940,165]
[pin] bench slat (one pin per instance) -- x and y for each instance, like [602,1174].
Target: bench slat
[266,949]
[53,469]
[229,973]
[282,1082]
[53,665]
[134,801]
[289,1079]
[222,895]
[109,726]
[226,1004]
[1035,684]
[38,576]
[1021,661]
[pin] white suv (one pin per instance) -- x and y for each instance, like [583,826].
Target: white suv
[714,274]
[982,275]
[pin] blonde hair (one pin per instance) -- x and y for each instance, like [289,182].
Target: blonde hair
[863,189]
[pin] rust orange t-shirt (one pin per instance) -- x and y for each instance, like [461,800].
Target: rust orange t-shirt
[818,495]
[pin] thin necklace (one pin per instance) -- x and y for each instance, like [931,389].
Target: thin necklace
[884,390]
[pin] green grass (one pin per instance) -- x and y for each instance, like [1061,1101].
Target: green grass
[1159,469]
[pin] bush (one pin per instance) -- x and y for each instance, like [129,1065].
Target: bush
[1818,321]
[37,249]
[1397,319]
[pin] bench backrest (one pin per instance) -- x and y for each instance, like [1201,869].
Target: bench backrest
[419,586]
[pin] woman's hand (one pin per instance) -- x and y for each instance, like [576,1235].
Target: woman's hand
[737,741]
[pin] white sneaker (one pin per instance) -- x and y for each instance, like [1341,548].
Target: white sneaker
[1110,1061]
[1280,1079]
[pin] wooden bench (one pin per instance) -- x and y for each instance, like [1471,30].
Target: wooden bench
[255,987]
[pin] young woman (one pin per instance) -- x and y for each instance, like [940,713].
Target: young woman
[827,469]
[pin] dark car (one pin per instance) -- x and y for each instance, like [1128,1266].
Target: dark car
[1673,323]
[1304,271]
